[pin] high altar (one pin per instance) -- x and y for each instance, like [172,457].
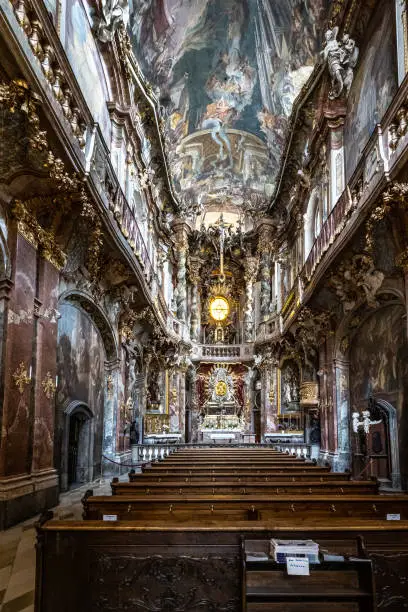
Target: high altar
[222,420]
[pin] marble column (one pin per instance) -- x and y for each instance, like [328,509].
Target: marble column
[181,231]
[265,246]
[342,407]
[194,269]
[269,409]
[45,368]
[112,395]
[28,481]
[251,268]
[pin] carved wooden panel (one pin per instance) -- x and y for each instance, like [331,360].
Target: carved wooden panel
[391,580]
[189,582]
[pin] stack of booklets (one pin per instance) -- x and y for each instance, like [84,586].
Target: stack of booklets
[281,549]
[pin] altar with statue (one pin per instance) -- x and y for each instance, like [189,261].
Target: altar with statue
[222,419]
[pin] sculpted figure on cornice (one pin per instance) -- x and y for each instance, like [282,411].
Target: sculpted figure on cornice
[111,15]
[356,279]
[341,58]
[310,330]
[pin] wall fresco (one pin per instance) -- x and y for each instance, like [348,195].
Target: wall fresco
[227,73]
[377,356]
[374,85]
[81,358]
[86,63]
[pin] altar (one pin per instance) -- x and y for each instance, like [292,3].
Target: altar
[217,436]
[162,438]
[221,428]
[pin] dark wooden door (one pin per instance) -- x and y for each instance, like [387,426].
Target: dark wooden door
[74,429]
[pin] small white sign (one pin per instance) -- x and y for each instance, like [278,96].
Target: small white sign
[297,566]
[393,517]
[110,517]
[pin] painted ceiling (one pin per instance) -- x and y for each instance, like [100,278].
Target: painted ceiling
[226,73]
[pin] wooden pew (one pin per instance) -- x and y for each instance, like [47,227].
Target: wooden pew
[242,507]
[85,566]
[185,471]
[283,476]
[228,487]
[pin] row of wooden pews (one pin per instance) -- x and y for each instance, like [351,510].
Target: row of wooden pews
[218,497]
[171,538]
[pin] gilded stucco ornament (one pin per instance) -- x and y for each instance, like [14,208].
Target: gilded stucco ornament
[49,386]
[402,260]
[21,378]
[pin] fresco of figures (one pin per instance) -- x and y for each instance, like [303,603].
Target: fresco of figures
[374,85]
[226,73]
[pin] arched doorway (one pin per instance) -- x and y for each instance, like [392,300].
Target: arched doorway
[77,446]
[380,447]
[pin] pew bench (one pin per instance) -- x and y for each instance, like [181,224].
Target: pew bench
[248,487]
[95,565]
[243,507]
[284,476]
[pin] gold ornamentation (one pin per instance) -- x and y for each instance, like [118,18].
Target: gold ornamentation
[40,238]
[48,386]
[402,260]
[309,393]
[221,388]
[156,423]
[21,377]
[219,308]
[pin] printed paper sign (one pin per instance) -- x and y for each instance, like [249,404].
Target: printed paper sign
[297,566]
[110,517]
[393,517]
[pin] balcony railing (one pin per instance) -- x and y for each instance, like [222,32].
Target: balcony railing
[221,351]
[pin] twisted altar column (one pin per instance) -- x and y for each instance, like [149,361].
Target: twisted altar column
[265,248]
[181,230]
[195,319]
[251,268]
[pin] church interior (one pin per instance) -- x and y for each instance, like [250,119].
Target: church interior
[203,305]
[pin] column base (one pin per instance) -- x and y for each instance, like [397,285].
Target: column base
[22,497]
[118,464]
[339,462]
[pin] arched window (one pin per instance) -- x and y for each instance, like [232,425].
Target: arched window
[317,222]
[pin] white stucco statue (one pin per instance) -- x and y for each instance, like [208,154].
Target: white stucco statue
[365,423]
[111,15]
[341,58]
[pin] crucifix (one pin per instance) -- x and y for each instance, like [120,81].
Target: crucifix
[222,227]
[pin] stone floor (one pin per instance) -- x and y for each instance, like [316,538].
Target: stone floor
[17,551]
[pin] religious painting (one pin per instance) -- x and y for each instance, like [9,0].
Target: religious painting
[378,358]
[85,60]
[289,385]
[374,85]
[226,73]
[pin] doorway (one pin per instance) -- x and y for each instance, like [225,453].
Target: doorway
[77,449]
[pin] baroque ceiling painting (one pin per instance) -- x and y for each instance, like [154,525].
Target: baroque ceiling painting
[226,73]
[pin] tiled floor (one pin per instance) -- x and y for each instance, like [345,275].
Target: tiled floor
[17,552]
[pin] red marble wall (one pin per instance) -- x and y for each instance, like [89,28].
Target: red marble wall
[16,446]
[46,367]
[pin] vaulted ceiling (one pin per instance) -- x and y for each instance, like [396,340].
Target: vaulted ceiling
[226,73]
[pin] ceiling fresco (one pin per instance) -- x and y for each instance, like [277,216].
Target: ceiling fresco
[226,73]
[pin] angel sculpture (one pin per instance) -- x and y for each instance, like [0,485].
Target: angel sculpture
[341,58]
[112,14]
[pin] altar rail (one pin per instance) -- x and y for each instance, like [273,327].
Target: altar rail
[145,453]
[300,450]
